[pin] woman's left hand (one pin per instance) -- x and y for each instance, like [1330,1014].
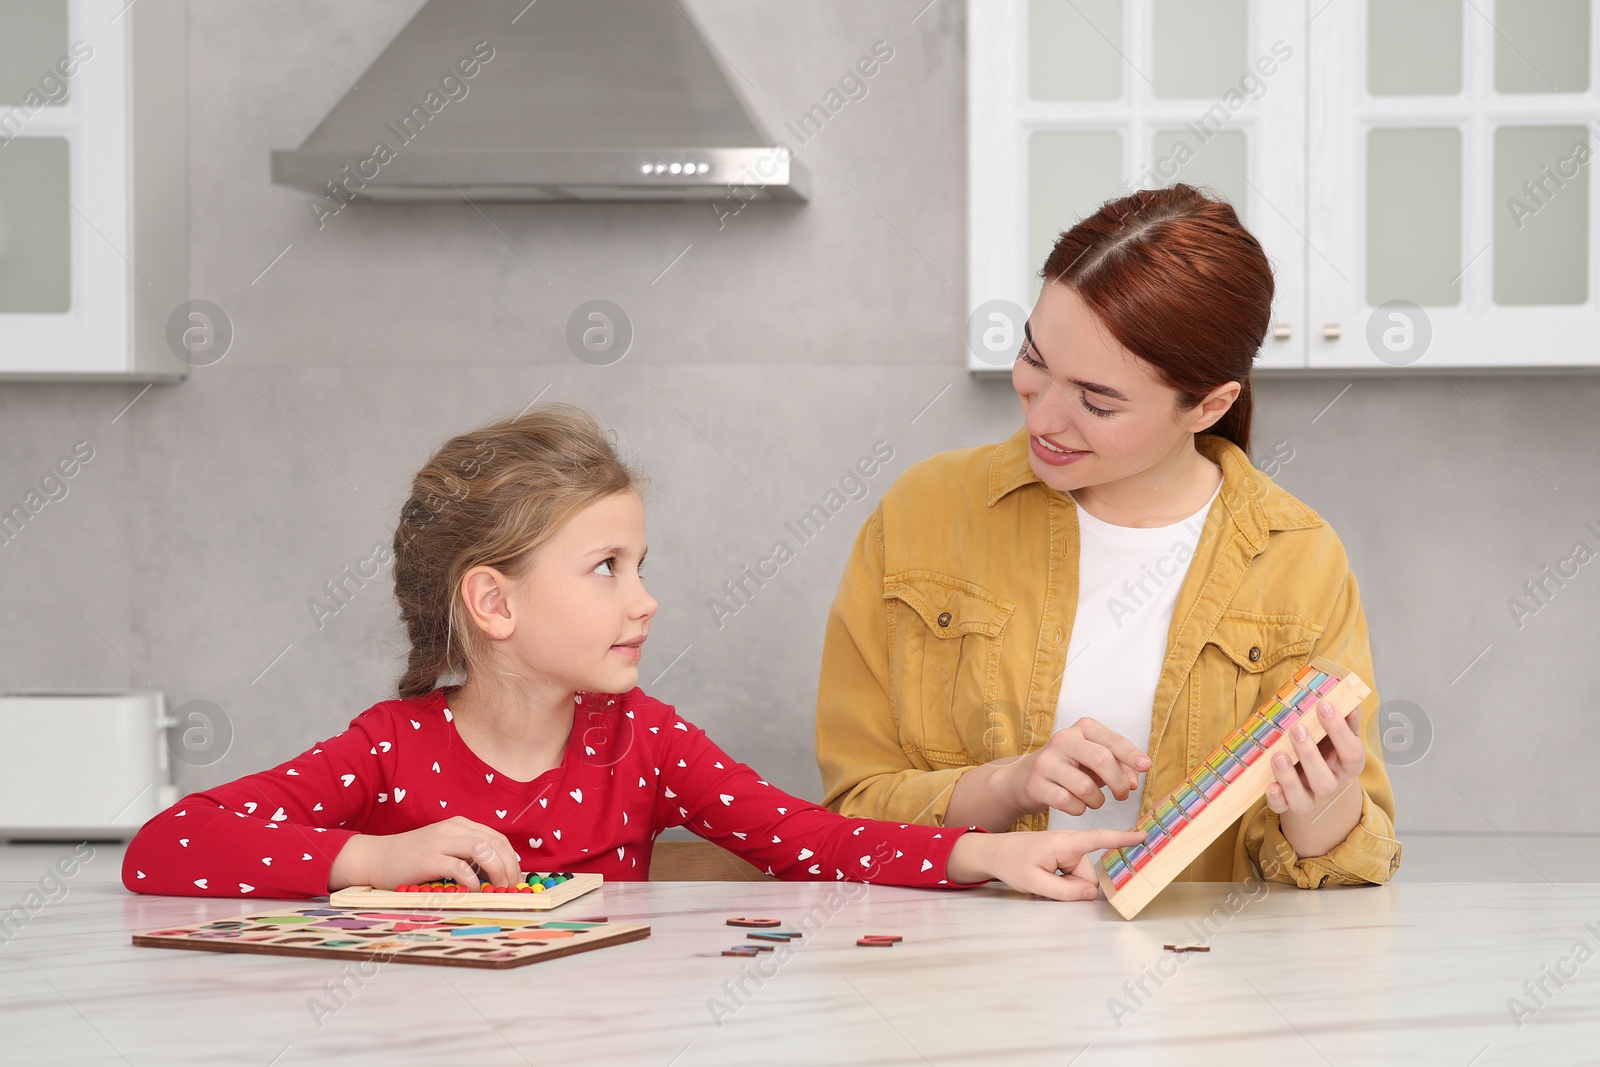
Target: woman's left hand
[1325,779]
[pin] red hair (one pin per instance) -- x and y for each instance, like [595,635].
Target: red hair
[1178,281]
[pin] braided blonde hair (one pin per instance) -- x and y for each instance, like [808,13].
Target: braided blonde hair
[490,497]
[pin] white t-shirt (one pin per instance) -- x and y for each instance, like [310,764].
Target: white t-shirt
[1128,581]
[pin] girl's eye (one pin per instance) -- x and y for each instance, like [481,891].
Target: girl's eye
[606,564]
[1104,413]
[1022,354]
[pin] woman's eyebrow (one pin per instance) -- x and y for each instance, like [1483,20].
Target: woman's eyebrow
[1093,387]
[1103,390]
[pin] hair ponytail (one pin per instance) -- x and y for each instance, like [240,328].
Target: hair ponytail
[1235,422]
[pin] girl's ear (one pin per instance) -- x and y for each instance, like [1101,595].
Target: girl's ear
[1212,407]
[485,595]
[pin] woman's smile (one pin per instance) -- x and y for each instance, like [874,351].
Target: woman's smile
[1053,454]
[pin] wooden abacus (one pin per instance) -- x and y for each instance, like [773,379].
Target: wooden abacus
[1223,786]
[451,897]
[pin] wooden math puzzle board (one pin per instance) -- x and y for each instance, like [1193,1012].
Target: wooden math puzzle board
[1179,847]
[417,936]
[364,896]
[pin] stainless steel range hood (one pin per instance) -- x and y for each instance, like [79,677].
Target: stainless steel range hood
[553,100]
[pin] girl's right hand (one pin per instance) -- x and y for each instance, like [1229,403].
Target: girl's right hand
[448,849]
[1028,860]
[1072,769]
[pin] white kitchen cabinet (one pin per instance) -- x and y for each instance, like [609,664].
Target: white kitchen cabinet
[1451,188]
[1382,152]
[93,190]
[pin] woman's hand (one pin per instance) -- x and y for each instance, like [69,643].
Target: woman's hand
[448,849]
[1028,861]
[1072,770]
[1319,801]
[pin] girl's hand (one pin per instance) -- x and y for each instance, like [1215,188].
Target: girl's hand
[1072,769]
[1324,780]
[1028,861]
[448,849]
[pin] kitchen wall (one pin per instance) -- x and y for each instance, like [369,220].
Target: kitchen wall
[774,347]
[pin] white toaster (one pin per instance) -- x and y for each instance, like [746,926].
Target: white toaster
[82,764]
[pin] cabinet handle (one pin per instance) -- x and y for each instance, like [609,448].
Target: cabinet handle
[1330,332]
[1280,332]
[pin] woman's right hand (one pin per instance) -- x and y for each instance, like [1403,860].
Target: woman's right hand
[447,849]
[1072,769]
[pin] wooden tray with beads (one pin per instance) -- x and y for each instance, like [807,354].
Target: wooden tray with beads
[575,885]
[416,935]
[1222,788]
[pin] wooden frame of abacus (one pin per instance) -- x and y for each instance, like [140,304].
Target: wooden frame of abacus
[364,896]
[1223,786]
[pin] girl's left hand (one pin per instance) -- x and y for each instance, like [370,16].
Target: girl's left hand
[1327,769]
[1028,860]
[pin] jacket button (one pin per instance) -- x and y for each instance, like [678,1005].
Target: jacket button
[1255,654]
[944,618]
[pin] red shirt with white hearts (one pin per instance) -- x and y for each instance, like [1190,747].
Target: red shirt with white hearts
[632,767]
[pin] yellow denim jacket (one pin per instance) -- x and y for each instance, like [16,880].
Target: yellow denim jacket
[948,637]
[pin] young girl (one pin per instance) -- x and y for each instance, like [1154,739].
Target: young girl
[517,564]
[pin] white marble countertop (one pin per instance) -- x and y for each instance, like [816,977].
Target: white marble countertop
[1405,973]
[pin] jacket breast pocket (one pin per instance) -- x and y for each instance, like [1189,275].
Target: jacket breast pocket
[1247,658]
[944,663]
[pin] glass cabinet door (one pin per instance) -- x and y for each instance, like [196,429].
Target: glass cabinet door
[1458,144]
[1075,102]
[67,274]
[35,226]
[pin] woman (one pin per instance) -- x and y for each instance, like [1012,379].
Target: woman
[1013,616]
